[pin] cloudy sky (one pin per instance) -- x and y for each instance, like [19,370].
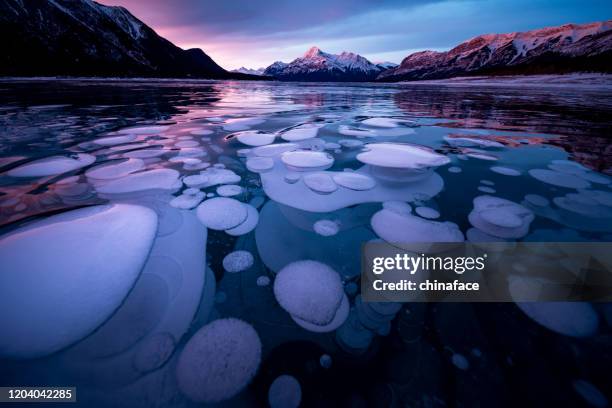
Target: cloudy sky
[255,33]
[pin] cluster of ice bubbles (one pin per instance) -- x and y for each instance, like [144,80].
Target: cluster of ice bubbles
[145,250]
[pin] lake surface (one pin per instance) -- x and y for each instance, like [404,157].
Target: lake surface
[284,157]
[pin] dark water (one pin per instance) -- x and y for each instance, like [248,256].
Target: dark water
[427,355]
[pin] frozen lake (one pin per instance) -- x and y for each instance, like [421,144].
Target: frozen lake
[159,206]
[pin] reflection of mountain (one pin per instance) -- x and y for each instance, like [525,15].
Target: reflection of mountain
[84,38]
[316,65]
[567,48]
[580,116]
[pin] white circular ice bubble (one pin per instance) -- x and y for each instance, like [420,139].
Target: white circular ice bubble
[112,243]
[339,318]
[325,360]
[255,137]
[398,207]
[115,170]
[501,217]
[486,189]
[51,166]
[309,290]
[306,160]
[114,140]
[321,183]
[187,201]
[230,351]
[186,143]
[537,200]
[237,261]
[401,156]
[248,225]
[259,164]
[229,190]
[427,212]
[326,228]
[354,181]
[285,392]
[221,213]
[301,132]
[559,179]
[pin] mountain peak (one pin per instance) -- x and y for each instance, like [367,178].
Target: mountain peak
[313,52]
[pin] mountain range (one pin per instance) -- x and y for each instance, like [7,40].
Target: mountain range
[552,50]
[316,65]
[85,38]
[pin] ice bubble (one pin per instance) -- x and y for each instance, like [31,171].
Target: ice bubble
[229,190]
[404,229]
[401,156]
[144,130]
[384,122]
[186,143]
[487,182]
[537,200]
[350,143]
[460,361]
[398,207]
[275,149]
[213,176]
[201,132]
[309,290]
[321,183]
[255,137]
[292,177]
[576,319]
[325,361]
[332,146]
[243,152]
[487,190]
[237,261]
[233,125]
[590,393]
[115,170]
[339,318]
[158,179]
[285,392]
[301,132]
[221,213]
[326,228]
[187,201]
[248,225]
[471,141]
[51,166]
[114,140]
[263,280]
[121,234]
[354,181]
[218,361]
[259,164]
[145,153]
[306,160]
[500,217]
[454,169]
[196,180]
[353,131]
[595,177]
[559,179]
[506,171]
[427,212]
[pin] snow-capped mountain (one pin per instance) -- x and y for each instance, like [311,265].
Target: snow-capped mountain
[85,38]
[567,48]
[316,65]
[249,71]
[386,64]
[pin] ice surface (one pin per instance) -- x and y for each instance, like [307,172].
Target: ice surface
[219,361]
[259,164]
[121,234]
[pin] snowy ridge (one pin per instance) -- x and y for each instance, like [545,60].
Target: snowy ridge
[316,64]
[249,71]
[548,50]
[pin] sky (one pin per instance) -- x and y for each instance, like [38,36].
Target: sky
[255,33]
